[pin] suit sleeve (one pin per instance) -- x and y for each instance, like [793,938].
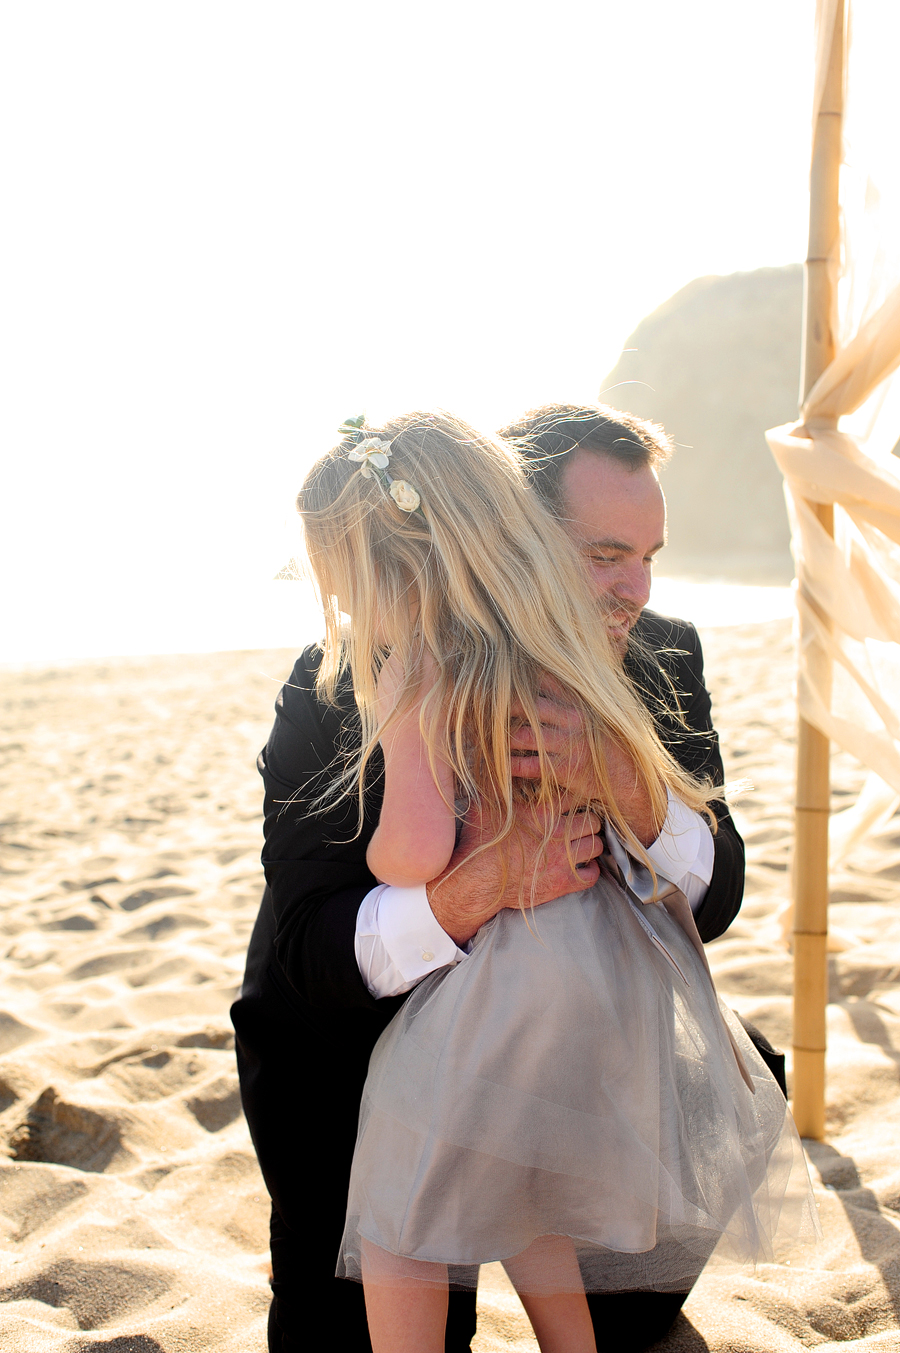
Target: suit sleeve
[700,754]
[314,859]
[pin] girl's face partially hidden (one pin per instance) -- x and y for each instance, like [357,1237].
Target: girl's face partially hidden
[388,625]
[400,619]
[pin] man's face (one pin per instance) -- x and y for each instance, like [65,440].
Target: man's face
[617,518]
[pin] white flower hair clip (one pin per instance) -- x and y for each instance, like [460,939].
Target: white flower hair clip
[373,455]
[405,496]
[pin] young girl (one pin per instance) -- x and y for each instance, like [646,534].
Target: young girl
[570,1098]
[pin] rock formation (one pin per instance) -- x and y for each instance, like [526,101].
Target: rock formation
[717,364]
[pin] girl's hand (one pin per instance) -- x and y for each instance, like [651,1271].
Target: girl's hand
[565,744]
[391,680]
[390,683]
[563,733]
[562,727]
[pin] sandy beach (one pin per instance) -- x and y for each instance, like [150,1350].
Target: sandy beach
[132,1213]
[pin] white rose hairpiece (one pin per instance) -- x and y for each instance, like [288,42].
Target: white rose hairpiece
[373,455]
[404,495]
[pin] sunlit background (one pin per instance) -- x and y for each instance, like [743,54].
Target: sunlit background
[230,225]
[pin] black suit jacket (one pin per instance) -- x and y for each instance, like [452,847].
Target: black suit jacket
[305,1019]
[665,663]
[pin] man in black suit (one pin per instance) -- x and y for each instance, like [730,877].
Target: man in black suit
[596,469]
[333,953]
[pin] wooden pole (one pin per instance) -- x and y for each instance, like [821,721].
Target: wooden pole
[810,864]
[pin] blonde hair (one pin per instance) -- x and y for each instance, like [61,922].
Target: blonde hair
[484,580]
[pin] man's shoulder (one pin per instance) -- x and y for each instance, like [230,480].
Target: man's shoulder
[300,687]
[308,663]
[306,670]
[665,663]
[300,697]
[665,635]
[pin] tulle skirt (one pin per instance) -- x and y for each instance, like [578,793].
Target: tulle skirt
[575,1077]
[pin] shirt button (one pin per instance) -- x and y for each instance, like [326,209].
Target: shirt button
[427,955]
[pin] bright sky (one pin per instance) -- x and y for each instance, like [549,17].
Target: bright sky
[230,225]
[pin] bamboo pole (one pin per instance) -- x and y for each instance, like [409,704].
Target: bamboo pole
[810,863]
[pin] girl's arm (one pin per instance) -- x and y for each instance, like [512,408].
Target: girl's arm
[416,832]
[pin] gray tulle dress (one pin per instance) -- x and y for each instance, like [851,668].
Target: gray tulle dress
[577,1076]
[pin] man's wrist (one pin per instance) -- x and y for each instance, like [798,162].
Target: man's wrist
[460,923]
[399,940]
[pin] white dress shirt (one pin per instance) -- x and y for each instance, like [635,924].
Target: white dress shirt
[398,939]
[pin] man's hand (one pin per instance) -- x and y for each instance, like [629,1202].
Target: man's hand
[566,747]
[473,888]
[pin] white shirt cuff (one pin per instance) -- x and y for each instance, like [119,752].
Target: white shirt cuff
[683,854]
[398,940]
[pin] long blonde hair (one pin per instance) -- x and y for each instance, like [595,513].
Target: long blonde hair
[484,580]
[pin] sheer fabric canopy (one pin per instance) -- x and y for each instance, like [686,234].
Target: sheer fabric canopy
[848,587]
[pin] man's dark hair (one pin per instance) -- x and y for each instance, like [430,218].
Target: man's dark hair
[547,436]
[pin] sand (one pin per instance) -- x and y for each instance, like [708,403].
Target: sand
[132,1213]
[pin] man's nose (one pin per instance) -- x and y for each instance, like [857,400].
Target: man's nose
[633,583]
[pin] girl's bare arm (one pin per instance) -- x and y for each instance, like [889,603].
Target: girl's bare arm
[416,832]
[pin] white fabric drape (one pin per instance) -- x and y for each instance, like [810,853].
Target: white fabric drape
[848,588]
